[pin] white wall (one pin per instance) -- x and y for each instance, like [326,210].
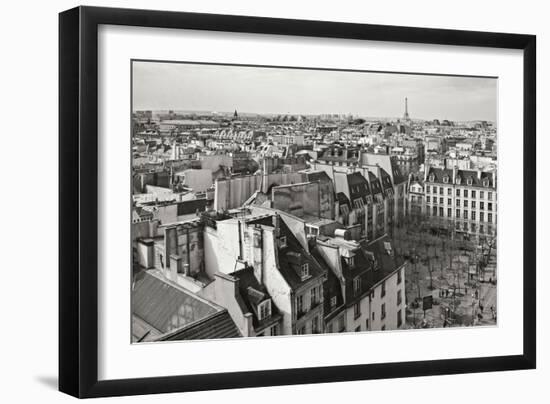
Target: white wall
[29,95]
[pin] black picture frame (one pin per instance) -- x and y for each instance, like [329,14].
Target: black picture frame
[78,207]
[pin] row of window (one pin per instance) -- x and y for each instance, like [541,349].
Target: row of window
[315,298]
[460,214]
[357,306]
[315,327]
[465,192]
[458,181]
[472,204]
[383,317]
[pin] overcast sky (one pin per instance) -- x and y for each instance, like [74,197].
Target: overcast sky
[179,86]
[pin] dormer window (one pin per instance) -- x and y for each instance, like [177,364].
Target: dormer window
[282,242]
[264,310]
[446,179]
[458,180]
[304,271]
[432,178]
[485,182]
[469,180]
[350,261]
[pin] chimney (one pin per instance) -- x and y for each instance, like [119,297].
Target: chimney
[257,253]
[455,172]
[276,223]
[175,267]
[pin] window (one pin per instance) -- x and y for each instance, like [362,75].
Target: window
[465,193]
[399,277]
[399,297]
[473,204]
[482,205]
[465,215]
[383,292]
[449,191]
[446,179]
[449,201]
[481,195]
[358,203]
[469,180]
[440,190]
[305,271]
[441,201]
[300,304]
[427,199]
[282,241]
[434,189]
[357,285]
[350,261]
[458,192]
[481,228]
[490,217]
[449,212]
[481,217]
[315,325]
[357,310]
[264,310]
[434,212]
[367,324]
[458,202]
[458,213]
[373,316]
[399,319]
[314,297]
[341,324]
[465,204]
[333,301]
[383,311]
[490,206]
[473,215]
[441,211]
[473,194]
[490,196]
[274,330]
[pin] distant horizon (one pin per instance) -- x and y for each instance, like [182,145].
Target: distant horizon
[400,118]
[192,87]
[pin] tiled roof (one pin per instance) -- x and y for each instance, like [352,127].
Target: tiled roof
[217,326]
[175,312]
[439,174]
[386,263]
[292,257]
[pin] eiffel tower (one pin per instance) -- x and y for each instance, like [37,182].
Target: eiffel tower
[406,116]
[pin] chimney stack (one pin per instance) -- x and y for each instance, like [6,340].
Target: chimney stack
[175,267]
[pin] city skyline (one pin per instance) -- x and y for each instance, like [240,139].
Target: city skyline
[267,90]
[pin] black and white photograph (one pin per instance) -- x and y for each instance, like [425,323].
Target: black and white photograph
[276,201]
